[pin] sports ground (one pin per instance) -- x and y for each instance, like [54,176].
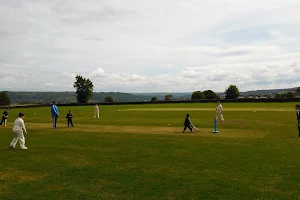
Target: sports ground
[140,152]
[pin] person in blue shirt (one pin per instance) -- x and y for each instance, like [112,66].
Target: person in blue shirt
[4,117]
[54,113]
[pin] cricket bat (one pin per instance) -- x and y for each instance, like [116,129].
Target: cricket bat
[195,127]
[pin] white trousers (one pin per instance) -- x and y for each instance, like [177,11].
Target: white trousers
[219,115]
[18,136]
[96,114]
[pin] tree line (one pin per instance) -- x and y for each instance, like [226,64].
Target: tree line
[84,91]
[232,92]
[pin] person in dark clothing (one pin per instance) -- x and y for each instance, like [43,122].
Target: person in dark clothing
[187,123]
[297,107]
[69,117]
[4,117]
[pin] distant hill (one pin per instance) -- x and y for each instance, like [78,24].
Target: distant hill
[41,97]
[267,92]
[161,95]
[70,97]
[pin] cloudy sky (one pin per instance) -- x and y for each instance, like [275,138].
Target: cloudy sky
[149,45]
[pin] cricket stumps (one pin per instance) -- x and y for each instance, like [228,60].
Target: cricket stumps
[215,126]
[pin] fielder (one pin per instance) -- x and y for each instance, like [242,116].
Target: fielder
[4,117]
[96,111]
[219,110]
[18,128]
[70,117]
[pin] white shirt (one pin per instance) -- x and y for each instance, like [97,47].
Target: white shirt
[19,125]
[219,108]
[96,108]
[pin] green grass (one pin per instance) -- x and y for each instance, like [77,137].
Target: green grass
[134,154]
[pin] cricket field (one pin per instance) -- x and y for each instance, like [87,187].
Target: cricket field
[139,152]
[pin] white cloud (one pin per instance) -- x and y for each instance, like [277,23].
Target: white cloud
[136,77]
[190,74]
[67,75]
[99,73]
[49,84]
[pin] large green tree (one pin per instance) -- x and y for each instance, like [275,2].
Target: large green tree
[209,94]
[108,99]
[278,96]
[84,89]
[232,92]
[4,98]
[154,98]
[284,95]
[290,95]
[168,97]
[297,91]
[197,95]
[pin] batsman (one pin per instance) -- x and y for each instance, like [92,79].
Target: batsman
[219,110]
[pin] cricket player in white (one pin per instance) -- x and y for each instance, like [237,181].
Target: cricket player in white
[96,111]
[219,110]
[18,129]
